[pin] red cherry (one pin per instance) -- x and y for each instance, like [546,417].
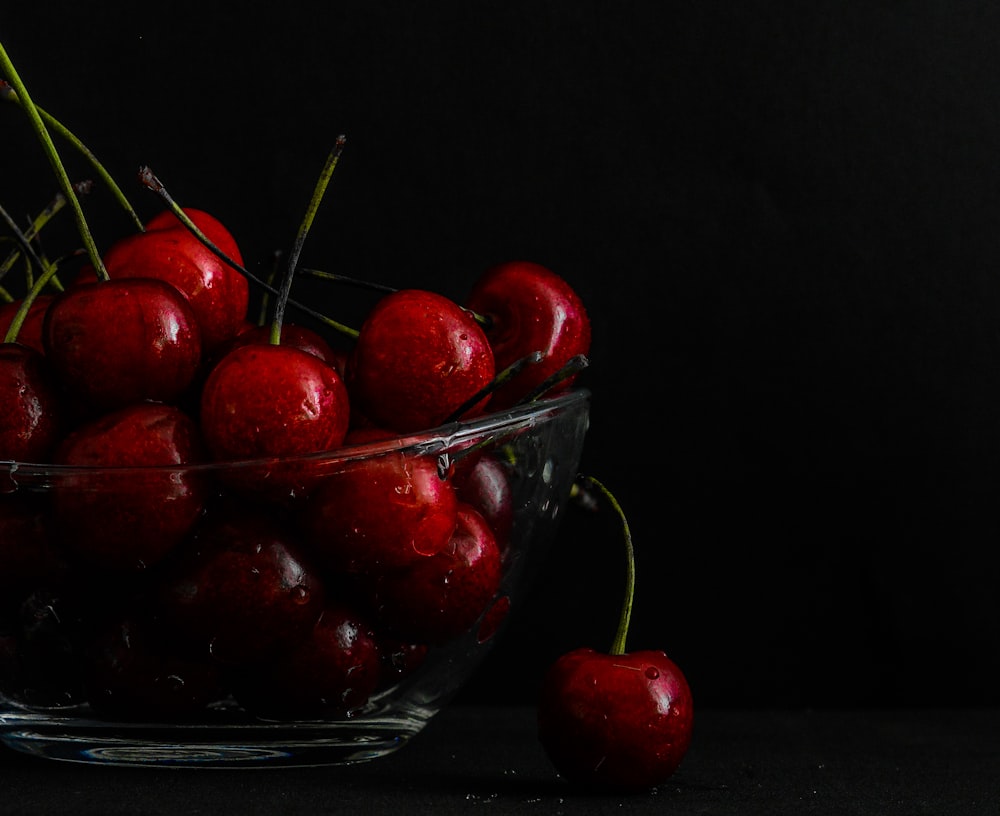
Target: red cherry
[242,588]
[117,342]
[381,513]
[30,333]
[530,309]
[485,484]
[418,358]
[615,720]
[133,672]
[273,400]
[441,596]
[129,514]
[219,294]
[27,557]
[30,408]
[212,227]
[332,671]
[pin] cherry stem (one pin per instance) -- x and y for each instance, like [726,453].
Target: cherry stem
[334,276]
[572,367]
[148,179]
[8,93]
[580,488]
[512,370]
[307,221]
[57,203]
[55,161]
[23,240]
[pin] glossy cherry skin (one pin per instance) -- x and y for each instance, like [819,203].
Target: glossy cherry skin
[122,518]
[113,343]
[30,333]
[30,405]
[133,672]
[219,294]
[242,590]
[380,513]
[441,596]
[265,400]
[418,358]
[530,308]
[615,721]
[331,672]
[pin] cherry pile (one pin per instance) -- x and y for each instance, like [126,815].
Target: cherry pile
[147,585]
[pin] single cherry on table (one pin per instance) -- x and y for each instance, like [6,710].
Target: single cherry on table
[615,720]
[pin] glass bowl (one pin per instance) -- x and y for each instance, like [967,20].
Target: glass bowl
[284,612]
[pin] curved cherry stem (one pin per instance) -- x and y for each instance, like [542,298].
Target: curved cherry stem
[24,98]
[148,179]
[621,635]
[8,93]
[307,221]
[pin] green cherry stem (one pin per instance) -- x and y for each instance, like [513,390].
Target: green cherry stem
[48,274]
[307,221]
[8,93]
[23,240]
[621,635]
[338,278]
[574,365]
[24,98]
[148,179]
[510,371]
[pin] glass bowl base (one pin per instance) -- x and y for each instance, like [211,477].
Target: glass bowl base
[197,746]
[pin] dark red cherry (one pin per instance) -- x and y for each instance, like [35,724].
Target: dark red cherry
[30,333]
[218,293]
[27,557]
[616,721]
[273,400]
[530,309]
[381,513]
[112,343]
[30,405]
[133,672]
[441,596]
[333,671]
[419,357]
[140,501]
[243,589]
[485,485]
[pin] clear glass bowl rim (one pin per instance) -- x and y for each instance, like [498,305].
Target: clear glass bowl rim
[442,437]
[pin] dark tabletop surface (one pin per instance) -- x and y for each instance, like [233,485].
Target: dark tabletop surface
[487,759]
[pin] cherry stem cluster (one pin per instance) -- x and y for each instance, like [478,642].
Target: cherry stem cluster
[49,148]
[580,490]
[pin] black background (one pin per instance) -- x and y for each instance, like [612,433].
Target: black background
[782,216]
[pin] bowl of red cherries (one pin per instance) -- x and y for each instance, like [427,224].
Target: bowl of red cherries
[233,542]
[236,532]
